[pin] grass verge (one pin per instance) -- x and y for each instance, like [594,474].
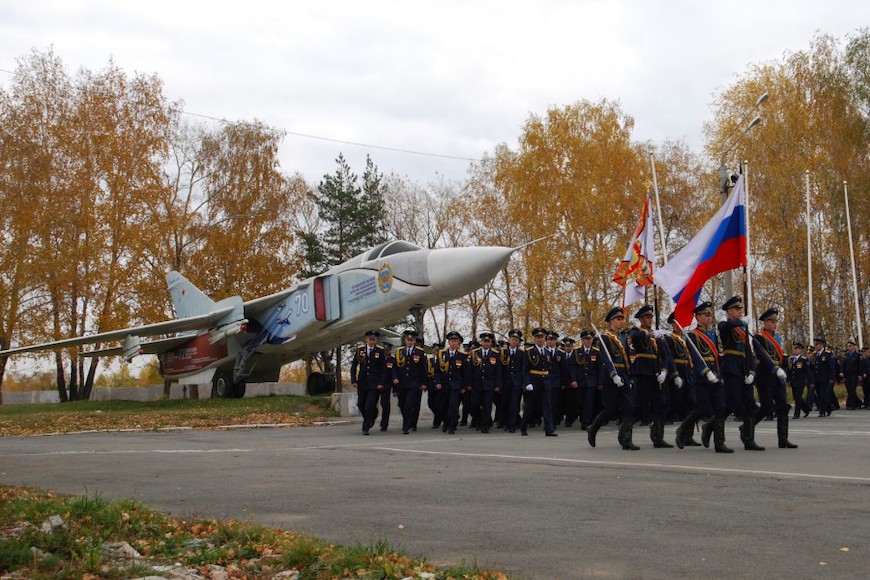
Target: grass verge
[196,413]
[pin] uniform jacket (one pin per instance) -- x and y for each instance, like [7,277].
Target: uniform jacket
[824,368]
[708,346]
[620,348]
[589,365]
[486,369]
[512,367]
[737,359]
[412,371]
[536,367]
[647,360]
[678,357]
[800,371]
[852,363]
[453,372]
[772,344]
[368,370]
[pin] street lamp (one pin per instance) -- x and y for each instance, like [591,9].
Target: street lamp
[726,180]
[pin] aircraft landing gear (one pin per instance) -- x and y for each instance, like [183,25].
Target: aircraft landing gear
[223,386]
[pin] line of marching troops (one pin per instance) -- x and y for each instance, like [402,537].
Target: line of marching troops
[638,375]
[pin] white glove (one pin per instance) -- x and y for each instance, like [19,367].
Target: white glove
[750,378]
[617,380]
[662,376]
[710,376]
[679,382]
[530,388]
[780,373]
[658,333]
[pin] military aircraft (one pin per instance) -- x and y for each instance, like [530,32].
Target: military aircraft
[231,342]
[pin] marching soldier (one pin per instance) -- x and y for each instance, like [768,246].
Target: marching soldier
[681,387]
[452,374]
[824,371]
[368,375]
[410,373]
[554,380]
[649,375]
[436,400]
[617,391]
[851,370]
[466,400]
[485,379]
[709,387]
[512,378]
[537,365]
[390,363]
[771,378]
[865,374]
[587,379]
[571,370]
[738,370]
[800,377]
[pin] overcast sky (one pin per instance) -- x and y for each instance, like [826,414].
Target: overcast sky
[453,78]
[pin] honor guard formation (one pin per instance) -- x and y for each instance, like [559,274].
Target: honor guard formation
[634,376]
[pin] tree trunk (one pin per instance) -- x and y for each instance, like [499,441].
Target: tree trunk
[61,379]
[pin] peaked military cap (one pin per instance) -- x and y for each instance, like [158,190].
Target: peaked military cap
[614,312]
[410,332]
[705,307]
[865,348]
[819,340]
[797,344]
[387,344]
[587,334]
[485,335]
[768,314]
[568,340]
[514,333]
[645,310]
[733,302]
[439,344]
[552,335]
[538,331]
[501,342]
[373,333]
[473,344]
[852,341]
[453,334]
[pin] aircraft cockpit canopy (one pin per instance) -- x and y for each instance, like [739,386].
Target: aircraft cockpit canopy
[390,248]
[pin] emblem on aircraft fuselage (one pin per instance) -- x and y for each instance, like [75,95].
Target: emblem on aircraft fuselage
[385,278]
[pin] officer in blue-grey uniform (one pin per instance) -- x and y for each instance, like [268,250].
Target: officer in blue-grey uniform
[551,402]
[824,371]
[512,378]
[410,373]
[850,371]
[485,379]
[368,375]
[587,378]
[738,370]
[648,373]
[617,390]
[771,378]
[709,386]
[800,377]
[537,365]
[452,375]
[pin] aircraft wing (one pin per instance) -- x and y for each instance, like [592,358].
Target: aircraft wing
[257,305]
[152,347]
[201,322]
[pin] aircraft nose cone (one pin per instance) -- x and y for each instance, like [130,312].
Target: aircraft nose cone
[455,272]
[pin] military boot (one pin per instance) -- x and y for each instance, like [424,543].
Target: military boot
[659,430]
[707,431]
[625,431]
[719,437]
[747,435]
[782,432]
[593,428]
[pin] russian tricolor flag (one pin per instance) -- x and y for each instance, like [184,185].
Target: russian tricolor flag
[720,246]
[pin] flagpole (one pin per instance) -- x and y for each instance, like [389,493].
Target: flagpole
[658,208]
[854,276]
[809,260]
[747,268]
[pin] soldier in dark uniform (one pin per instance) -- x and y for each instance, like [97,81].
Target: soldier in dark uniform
[571,370]
[800,377]
[389,389]
[649,374]
[851,370]
[865,375]
[368,375]
[452,374]
[485,378]
[617,390]
[410,373]
[587,379]
[709,387]
[824,372]
[680,386]
[554,381]
[537,365]
[512,378]
[738,369]
[436,399]
[498,397]
[466,400]
[770,377]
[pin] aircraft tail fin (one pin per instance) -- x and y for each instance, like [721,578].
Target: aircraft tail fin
[187,299]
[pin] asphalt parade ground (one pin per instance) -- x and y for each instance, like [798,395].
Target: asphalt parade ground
[535,507]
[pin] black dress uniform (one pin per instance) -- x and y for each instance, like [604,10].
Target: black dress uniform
[649,374]
[770,379]
[738,371]
[435,398]
[800,377]
[587,378]
[384,398]
[865,374]
[571,371]
[824,372]
[709,387]
[512,380]
[851,370]
[368,371]
[485,379]
[452,375]
[617,390]
[537,365]
[681,387]
[412,373]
